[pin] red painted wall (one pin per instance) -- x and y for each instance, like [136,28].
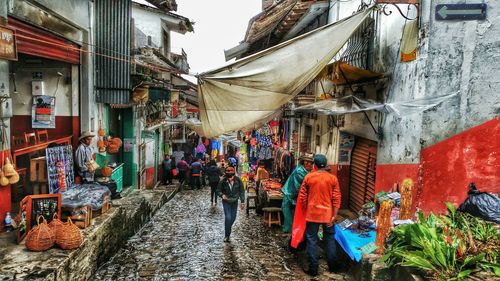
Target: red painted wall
[389,174]
[5,204]
[449,166]
[150,177]
[64,125]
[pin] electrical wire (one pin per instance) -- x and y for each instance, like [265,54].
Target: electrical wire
[149,66]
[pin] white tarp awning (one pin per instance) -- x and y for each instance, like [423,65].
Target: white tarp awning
[248,91]
[352,104]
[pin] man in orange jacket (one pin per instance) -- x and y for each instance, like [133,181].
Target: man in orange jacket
[320,197]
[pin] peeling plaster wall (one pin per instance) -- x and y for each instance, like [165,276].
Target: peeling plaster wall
[462,55]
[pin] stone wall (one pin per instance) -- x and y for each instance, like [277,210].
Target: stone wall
[107,234]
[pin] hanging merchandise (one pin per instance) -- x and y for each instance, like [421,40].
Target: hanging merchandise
[10,175]
[114,145]
[200,149]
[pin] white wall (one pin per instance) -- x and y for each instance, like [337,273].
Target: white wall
[149,23]
[66,104]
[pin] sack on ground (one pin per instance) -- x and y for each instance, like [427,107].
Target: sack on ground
[481,204]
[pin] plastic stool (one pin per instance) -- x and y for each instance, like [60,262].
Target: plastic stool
[272,215]
[251,196]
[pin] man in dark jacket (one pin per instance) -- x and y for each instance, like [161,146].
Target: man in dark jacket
[230,189]
[213,173]
[196,170]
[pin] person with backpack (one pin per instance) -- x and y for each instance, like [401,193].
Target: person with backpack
[213,174]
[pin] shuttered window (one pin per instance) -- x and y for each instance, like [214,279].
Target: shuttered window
[362,178]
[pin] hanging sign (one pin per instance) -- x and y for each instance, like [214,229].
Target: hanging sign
[43,112]
[8,49]
[461,11]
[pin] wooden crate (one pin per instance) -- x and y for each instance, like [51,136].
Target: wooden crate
[105,207]
[82,220]
[38,175]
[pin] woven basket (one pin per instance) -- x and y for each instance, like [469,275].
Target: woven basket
[71,236]
[41,237]
[56,226]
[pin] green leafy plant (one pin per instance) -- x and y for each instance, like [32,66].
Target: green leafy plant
[446,247]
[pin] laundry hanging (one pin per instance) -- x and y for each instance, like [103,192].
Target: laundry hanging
[249,91]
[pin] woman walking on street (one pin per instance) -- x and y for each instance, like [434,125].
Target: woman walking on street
[213,174]
[230,189]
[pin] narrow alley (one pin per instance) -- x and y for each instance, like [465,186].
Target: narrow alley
[184,241]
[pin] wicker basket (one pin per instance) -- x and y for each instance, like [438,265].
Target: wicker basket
[56,226]
[71,236]
[41,237]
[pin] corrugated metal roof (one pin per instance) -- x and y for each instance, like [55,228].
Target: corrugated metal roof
[113,62]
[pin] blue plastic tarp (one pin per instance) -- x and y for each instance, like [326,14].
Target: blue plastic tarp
[351,242]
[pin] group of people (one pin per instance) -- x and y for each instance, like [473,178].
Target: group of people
[310,187]
[315,191]
[222,180]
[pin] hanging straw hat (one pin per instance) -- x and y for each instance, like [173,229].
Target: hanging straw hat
[86,134]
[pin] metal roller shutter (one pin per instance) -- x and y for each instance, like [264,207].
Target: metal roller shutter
[362,178]
[34,41]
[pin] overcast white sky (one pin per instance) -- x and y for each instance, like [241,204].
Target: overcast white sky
[219,25]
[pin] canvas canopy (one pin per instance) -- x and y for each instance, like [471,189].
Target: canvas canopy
[247,92]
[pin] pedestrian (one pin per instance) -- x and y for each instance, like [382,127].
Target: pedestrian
[182,167]
[230,188]
[291,189]
[320,198]
[196,170]
[213,174]
[205,163]
[85,158]
[167,170]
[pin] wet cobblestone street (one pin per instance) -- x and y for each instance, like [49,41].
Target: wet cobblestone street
[184,241]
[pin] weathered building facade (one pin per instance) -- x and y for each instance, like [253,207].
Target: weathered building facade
[442,149]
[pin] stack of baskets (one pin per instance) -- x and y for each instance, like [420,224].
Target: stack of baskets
[66,235]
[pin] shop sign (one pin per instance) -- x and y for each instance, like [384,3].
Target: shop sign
[461,11]
[397,1]
[8,48]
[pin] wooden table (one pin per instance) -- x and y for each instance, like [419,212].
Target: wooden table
[29,148]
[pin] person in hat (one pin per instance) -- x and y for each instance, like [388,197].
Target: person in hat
[84,155]
[320,197]
[291,189]
[230,189]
